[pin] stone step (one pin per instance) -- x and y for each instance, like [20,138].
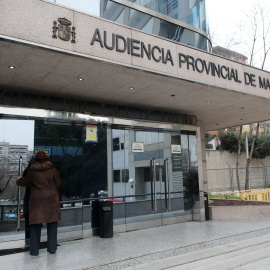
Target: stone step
[227,256]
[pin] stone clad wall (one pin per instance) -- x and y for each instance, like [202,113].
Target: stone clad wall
[221,166]
[222,209]
[247,212]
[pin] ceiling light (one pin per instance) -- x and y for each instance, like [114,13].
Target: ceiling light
[80,79]
[208,101]
[11,67]
[131,88]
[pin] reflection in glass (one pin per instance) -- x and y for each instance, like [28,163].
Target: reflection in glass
[63,140]
[16,140]
[190,170]
[152,25]
[189,11]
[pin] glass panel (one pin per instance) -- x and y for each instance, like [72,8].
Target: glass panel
[16,140]
[186,175]
[63,141]
[122,189]
[143,206]
[173,196]
[95,182]
[189,11]
[194,174]
[142,21]
[190,169]
[175,32]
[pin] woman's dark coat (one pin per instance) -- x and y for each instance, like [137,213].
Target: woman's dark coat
[44,205]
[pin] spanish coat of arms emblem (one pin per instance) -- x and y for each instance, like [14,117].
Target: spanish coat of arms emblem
[64,30]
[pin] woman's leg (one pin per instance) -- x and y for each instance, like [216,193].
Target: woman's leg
[35,231]
[52,237]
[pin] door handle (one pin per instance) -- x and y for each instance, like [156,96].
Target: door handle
[19,197]
[153,184]
[167,184]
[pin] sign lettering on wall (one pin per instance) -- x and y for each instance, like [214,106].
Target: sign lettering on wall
[137,48]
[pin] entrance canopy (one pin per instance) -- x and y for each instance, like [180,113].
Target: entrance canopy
[104,62]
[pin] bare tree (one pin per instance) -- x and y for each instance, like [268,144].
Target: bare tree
[250,156]
[266,127]
[252,35]
[258,36]
[237,157]
[265,35]
[256,32]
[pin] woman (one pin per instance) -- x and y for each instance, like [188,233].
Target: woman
[44,205]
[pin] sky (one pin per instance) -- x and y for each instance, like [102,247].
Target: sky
[230,26]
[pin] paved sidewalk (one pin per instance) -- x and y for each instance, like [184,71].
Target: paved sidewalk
[138,247]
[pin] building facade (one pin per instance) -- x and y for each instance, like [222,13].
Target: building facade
[120,94]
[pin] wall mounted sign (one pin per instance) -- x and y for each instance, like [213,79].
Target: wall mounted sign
[47,151]
[91,133]
[64,30]
[176,149]
[137,147]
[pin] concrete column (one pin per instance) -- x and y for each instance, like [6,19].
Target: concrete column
[202,168]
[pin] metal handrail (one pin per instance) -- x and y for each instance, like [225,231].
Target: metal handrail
[72,202]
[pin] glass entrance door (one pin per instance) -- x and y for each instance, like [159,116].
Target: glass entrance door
[173,195]
[144,208]
[148,177]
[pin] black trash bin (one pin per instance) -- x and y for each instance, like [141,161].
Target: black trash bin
[95,218]
[106,219]
[206,206]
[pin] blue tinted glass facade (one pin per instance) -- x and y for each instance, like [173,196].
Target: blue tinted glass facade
[190,12]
